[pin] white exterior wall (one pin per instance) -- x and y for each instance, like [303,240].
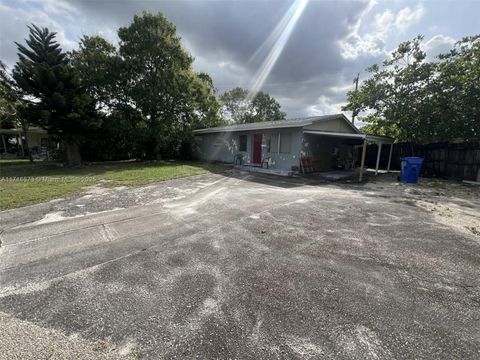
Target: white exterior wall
[223,147]
[283,161]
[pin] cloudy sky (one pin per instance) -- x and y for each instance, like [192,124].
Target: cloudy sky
[330,43]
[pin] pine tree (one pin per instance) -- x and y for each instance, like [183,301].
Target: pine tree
[56,100]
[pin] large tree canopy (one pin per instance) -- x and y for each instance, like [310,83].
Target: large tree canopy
[412,99]
[99,68]
[147,90]
[237,106]
[160,84]
[10,100]
[56,100]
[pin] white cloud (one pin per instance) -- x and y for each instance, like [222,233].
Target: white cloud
[372,40]
[60,8]
[437,44]
[13,28]
[384,21]
[353,44]
[341,88]
[438,41]
[325,106]
[407,17]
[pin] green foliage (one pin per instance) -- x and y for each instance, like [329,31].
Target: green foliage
[412,99]
[10,102]
[56,100]
[150,97]
[379,126]
[140,99]
[55,182]
[13,107]
[161,86]
[265,108]
[237,106]
[99,68]
[117,139]
[457,89]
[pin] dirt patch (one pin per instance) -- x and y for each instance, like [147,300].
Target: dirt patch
[52,344]
[451,202]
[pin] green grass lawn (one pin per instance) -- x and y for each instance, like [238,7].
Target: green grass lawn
[23,183]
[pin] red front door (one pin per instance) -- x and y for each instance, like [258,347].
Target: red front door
[257,148]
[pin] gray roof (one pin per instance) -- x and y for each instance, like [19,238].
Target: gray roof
[289,123]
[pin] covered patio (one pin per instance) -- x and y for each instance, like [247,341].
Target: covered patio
[346,147]
[17,142]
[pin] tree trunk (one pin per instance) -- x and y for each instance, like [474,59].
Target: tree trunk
[4,143]
[157,153]
[26,144]
[72,152]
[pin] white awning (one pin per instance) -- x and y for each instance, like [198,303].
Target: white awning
[344,135]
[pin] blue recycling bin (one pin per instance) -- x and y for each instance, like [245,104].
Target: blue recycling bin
[410,169]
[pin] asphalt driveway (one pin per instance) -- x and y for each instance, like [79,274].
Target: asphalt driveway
[238,267]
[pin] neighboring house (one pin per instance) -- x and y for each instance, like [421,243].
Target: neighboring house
[329,142]
[13,140]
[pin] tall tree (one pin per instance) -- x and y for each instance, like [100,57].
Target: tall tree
[412,99]
[237,106]
[9,100]
[12,108]
[160,83]
[99,68]
[56,101]
[456,91]
[265,108]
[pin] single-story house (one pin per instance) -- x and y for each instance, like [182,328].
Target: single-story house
[13,140]
[320,143]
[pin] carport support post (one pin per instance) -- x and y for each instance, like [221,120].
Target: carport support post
[378,158]
[390,157]
[362,163]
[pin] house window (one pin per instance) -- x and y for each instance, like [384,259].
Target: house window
[285,143]
[243,143]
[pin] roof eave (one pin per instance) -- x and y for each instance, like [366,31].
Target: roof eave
[221,130]
[359,136]
[263,126]
[377,138]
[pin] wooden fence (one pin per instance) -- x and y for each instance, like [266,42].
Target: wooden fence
[447,160]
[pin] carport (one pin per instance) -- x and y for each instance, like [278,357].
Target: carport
[359,140]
